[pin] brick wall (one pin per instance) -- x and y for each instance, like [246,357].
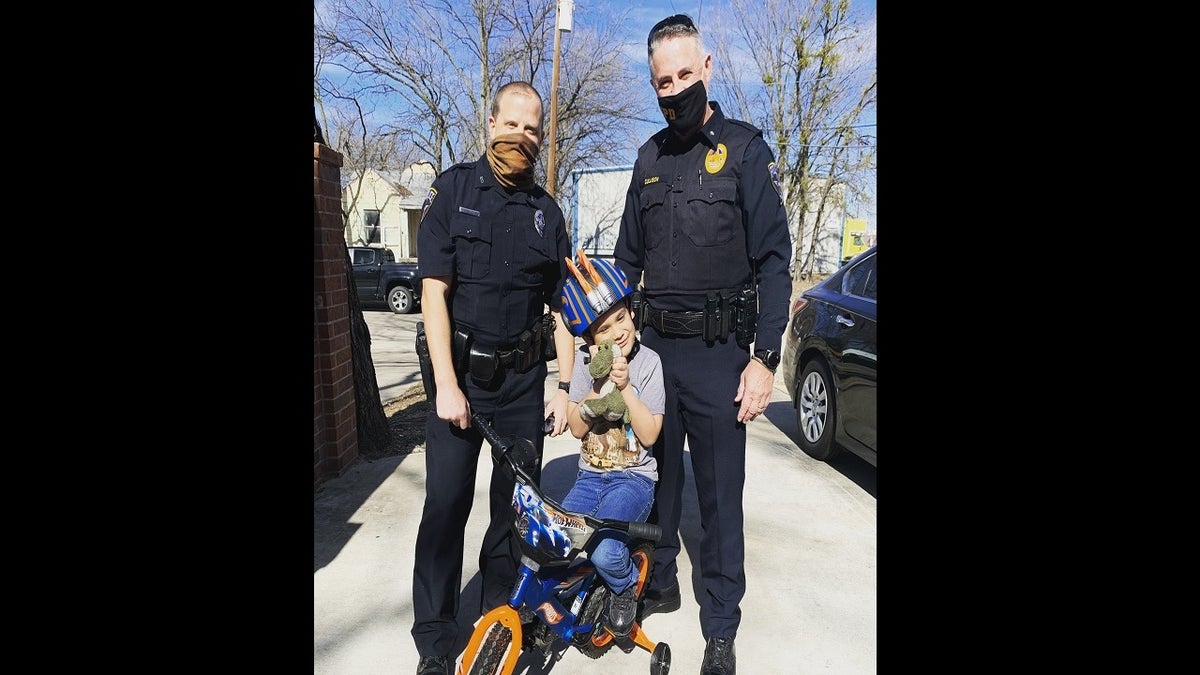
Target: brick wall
[335,430]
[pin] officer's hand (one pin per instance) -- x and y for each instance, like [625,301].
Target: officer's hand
[558,407]
[452,406]
[754,391]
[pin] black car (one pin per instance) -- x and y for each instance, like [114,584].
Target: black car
[829,361]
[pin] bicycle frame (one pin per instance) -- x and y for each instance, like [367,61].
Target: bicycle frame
[564,590]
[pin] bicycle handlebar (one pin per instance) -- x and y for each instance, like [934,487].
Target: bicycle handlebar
[645,531]
[489,434]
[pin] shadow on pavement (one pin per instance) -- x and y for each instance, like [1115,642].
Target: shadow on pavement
[339,498]
[783,415]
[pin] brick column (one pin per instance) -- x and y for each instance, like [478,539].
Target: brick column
[335,428]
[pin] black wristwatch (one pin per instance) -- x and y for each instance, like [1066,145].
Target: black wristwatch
[768,358]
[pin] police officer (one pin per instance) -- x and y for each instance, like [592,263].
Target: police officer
[704,221]
[494,249]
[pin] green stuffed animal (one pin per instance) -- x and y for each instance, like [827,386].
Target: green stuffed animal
[610,405]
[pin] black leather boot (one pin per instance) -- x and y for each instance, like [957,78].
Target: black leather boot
[718,657]
[654,601]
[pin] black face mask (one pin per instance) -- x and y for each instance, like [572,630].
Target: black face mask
[684,111]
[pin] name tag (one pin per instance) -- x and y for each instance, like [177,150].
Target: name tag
[472,212]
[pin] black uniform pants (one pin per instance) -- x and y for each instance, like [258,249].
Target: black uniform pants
[701,382]
[514,405]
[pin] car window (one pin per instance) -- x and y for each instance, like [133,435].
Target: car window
[860,279]
[362,257]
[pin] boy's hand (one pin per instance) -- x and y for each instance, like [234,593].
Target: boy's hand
[619,374]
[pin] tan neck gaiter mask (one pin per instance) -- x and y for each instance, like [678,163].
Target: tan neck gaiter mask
[511,157]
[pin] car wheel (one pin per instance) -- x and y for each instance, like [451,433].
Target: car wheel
[400,300]
[816,411]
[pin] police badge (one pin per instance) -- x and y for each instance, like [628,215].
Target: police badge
[539,223]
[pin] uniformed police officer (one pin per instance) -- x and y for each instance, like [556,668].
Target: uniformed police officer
[704,221]
[493,249]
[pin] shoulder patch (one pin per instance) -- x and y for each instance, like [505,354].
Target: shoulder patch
[429,201]
[773,172]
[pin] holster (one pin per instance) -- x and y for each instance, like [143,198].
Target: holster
[714,317]
[747,317]
[426,364]
[528,351]
[460,350]
[637,308]
[549,349]
[482,365]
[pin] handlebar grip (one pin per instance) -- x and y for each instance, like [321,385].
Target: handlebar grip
[648,531]
[488,432]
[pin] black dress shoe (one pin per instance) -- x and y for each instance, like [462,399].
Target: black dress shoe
[718,657]
[654,601]
[435,665]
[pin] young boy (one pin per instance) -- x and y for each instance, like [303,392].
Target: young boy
[617,470]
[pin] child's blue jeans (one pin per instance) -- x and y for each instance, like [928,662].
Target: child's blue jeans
[614,494]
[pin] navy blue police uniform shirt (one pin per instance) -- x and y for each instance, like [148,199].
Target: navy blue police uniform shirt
[506,252]
[698,212]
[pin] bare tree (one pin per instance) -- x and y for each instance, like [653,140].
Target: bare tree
[601,99]
[436,64]
[804,72]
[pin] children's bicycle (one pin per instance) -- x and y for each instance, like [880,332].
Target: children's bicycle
[560,593]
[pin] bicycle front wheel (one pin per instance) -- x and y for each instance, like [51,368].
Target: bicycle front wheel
[493,648]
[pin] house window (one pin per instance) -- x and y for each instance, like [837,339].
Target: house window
[371,225]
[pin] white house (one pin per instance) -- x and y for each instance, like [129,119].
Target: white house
[595,209]
[383,208]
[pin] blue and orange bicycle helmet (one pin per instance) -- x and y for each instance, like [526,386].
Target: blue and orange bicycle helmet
[593,288]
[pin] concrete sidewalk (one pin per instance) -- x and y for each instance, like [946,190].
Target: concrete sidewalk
[810,604]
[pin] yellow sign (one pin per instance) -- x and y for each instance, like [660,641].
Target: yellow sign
[853,241]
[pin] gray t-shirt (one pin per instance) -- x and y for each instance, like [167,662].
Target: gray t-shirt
[646,377]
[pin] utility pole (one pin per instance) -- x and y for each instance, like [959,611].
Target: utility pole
[562,18]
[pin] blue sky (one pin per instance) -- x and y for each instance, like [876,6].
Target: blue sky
[643,14]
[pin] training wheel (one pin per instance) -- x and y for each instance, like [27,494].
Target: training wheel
[660,660]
